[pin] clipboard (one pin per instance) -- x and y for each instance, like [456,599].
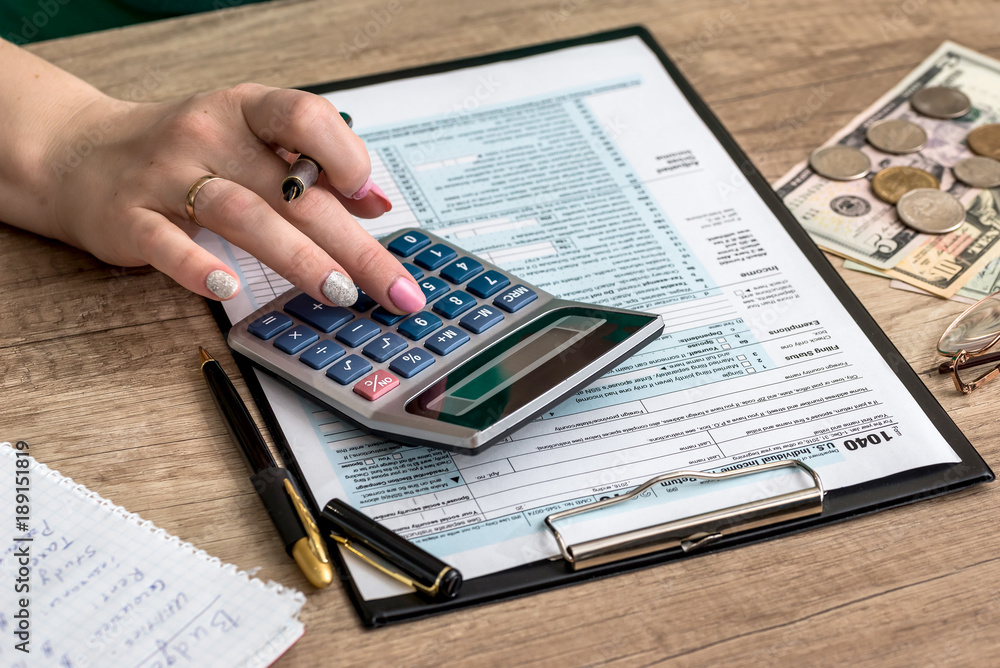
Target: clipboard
[743,525]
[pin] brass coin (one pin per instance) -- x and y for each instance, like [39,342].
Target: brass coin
[892,183]
[985,140]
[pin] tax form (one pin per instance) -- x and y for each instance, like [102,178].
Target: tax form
[586,171]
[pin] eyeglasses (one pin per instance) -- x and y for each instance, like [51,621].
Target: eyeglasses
[968,342]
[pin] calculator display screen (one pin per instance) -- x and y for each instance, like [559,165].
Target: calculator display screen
[528,363]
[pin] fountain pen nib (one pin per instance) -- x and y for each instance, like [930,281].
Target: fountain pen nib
[291,189]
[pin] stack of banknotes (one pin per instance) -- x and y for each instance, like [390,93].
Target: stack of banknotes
[888,191]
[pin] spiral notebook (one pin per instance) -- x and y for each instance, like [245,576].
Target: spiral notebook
[87,583]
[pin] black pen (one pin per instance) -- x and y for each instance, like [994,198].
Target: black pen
[275,485]
[410,564]
[304,172]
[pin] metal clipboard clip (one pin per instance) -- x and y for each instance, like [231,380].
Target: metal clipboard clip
[690,533]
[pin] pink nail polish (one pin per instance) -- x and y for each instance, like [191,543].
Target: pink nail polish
[406,295]
[381,197]
[364,189]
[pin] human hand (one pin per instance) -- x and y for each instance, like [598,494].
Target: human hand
[125,200]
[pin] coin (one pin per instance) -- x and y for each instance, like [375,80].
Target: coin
[941,102]
[892,183]
[985,140]
[894,135]
[978,172]
[932,211]
[840,163]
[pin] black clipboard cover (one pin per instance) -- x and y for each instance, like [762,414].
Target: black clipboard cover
[839,504]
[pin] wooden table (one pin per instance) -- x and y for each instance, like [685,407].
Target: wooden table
[99,370]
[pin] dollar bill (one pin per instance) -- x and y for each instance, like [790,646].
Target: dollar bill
[906,287]
[863,268]
[986,282]
[847,219]
[944,263]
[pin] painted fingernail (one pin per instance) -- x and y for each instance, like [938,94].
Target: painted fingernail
[406,295]
[222,284]
[364,190]
[381,197]
[339,289]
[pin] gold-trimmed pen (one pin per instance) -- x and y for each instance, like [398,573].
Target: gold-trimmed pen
[275,485]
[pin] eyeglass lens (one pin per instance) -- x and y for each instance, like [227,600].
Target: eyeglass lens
[974,330]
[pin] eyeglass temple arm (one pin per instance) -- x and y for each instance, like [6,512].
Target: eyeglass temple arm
[947,367]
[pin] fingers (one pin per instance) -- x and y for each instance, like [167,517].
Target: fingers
[314,241]
[269,168]
[166,247]
[301,122]
[322,215]
[245,219]
[371,206]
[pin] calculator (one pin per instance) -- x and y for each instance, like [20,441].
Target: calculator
[488,353]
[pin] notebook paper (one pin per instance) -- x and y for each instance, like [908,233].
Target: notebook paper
[103,587]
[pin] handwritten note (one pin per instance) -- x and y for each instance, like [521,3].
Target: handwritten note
[86,583]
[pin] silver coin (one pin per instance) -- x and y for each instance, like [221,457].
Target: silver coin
[941,102]
[978,172]
[931,211]
[894,135]
[840,163]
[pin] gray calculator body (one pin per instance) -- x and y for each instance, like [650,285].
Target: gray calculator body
[474,396]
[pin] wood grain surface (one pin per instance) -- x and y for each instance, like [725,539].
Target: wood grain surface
[99,373]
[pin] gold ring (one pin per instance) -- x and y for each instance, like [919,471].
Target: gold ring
[193,193]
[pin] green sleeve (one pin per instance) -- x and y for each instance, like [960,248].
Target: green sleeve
[24,21]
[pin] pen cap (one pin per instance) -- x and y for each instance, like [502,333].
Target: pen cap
[414,562]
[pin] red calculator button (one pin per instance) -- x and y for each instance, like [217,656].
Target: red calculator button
[374,385]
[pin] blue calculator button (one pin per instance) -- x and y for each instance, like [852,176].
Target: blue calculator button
[419,325]
[481,319]
[415,272]
[364,302]
[357,332]
[322,317]
[321,354]
[433,287]
[385,346]
[412,363]
[349,369]
[488,284]
[435,256]
[386,317]
[295,339]
[461,270]
[269,324]
[446,341]
[455,304]
[515,299]
[409,243]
